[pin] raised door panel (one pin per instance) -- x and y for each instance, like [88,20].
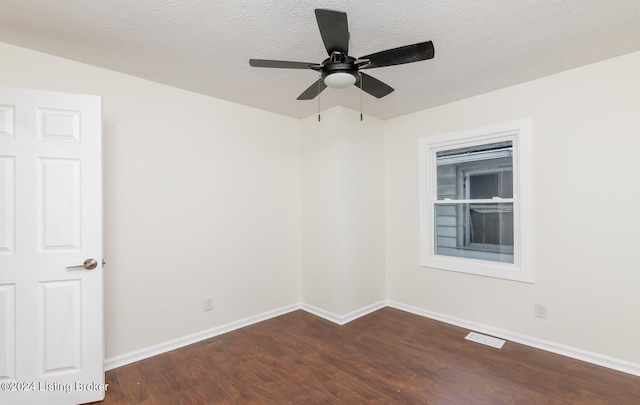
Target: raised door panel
[61,339]
[58,125]
[7,205]
[7,121]
[59,199]
[7,331]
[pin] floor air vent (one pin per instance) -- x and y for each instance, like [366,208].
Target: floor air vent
[485,340]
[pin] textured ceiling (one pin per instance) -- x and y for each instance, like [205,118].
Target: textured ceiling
[204,46]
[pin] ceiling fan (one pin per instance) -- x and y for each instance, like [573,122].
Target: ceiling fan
[340,70]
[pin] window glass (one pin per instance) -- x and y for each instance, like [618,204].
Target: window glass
[484,230]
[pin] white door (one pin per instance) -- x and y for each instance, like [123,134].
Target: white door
[51,332]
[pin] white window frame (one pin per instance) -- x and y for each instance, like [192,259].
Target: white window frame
[520,133]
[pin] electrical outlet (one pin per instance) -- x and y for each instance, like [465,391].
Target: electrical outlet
[541,311]
[207,304]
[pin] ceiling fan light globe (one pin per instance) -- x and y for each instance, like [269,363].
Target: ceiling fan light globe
[340,80]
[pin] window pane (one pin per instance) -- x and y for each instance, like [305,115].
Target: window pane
[475,231]
[477,172]
[491,224]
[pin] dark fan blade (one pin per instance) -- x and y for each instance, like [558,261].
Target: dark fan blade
[279,64]
[398,56]
[313,90]
[373,86]
[334,30]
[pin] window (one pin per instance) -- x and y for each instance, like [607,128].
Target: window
[477,202]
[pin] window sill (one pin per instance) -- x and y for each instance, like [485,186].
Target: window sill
[507,271]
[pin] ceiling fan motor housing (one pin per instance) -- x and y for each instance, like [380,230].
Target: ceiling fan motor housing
[339,62]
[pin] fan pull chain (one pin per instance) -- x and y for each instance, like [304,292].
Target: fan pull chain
[319,100]
[360,95]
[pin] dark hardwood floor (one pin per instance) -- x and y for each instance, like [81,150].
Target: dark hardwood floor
[387,357]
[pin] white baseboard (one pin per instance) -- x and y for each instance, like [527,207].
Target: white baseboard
[579,354]
[127,358]
[343,319]
[594,358]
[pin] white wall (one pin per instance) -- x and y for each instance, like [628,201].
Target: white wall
[342,211]
[201,198]
[586,142]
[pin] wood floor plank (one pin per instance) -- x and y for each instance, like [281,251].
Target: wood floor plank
[387,357]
